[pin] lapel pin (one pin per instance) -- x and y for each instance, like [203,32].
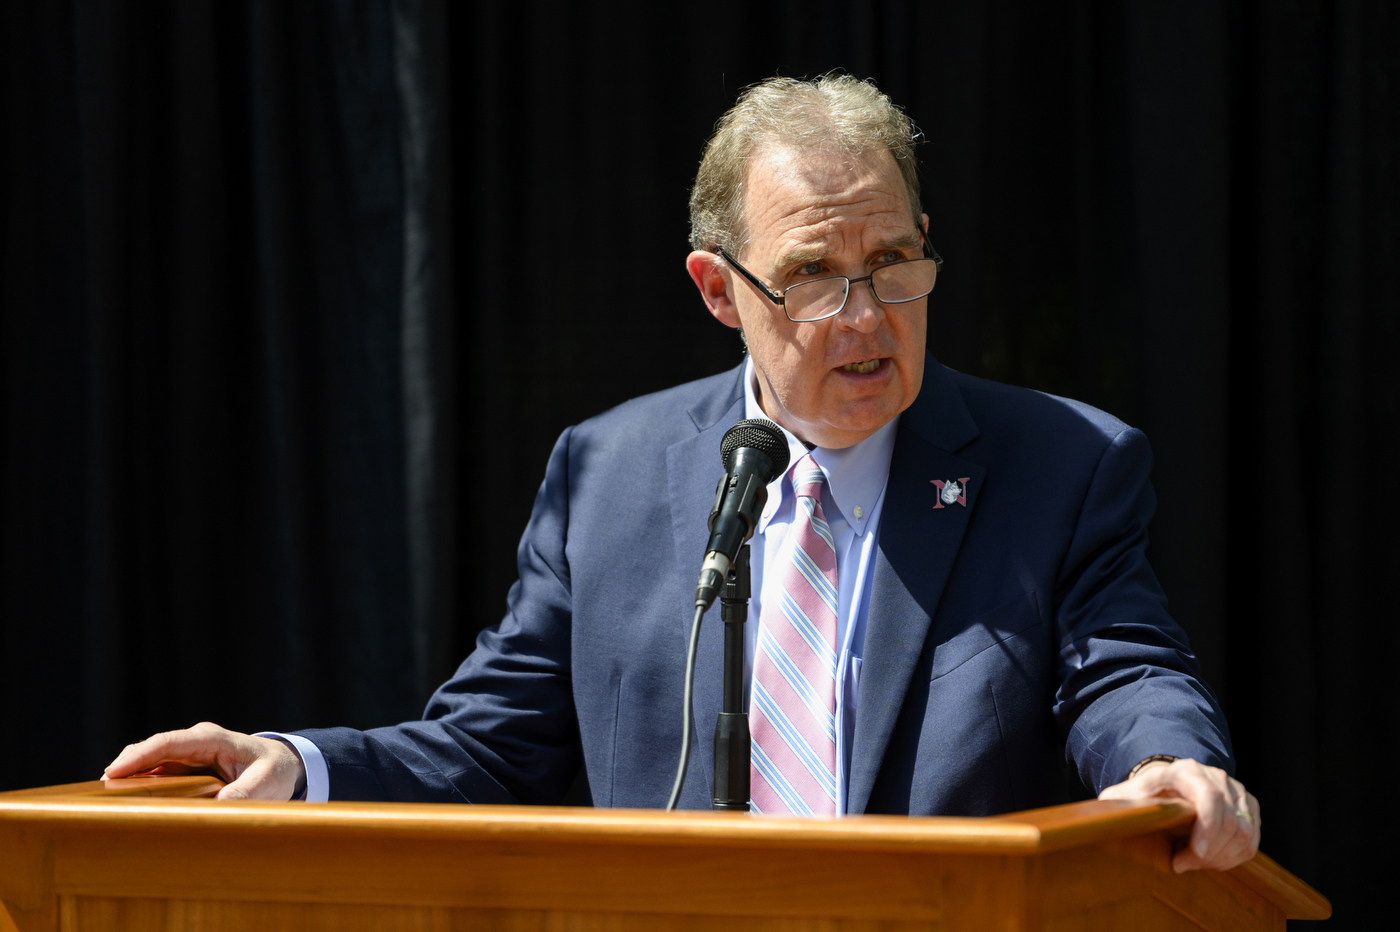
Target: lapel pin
[950,491]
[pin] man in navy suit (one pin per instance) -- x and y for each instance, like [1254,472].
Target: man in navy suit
[993,609]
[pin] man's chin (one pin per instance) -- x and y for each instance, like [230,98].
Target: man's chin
[852,425]
[865,398]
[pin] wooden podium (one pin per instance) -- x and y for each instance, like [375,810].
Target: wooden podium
[132,854]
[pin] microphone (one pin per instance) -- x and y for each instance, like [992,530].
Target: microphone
[754,453]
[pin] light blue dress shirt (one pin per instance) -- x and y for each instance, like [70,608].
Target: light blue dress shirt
[855,477]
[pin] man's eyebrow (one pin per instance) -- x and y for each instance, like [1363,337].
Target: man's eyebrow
[901,242]
[802,257]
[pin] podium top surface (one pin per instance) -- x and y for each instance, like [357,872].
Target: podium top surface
[159,801]
[180,803]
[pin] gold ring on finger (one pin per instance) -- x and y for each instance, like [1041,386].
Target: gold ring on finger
[1244,814]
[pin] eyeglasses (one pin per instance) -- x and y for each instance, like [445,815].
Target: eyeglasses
[896,283]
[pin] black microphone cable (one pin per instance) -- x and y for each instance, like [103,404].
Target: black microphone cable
[688,707]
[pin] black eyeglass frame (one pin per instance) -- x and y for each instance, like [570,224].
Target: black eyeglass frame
[779,297]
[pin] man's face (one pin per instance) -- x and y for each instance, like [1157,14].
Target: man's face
[834,382]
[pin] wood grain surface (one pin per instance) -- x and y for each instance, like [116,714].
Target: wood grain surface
[152,853]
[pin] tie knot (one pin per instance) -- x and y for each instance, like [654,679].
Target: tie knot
[807,478]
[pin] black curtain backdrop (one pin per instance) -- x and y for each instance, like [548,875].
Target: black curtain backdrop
[297,296]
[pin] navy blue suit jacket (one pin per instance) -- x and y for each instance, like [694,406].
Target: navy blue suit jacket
[1002,635]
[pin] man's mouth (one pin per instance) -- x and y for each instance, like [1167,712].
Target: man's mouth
[862,368]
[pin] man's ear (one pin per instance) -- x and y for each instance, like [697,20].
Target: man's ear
[706,270]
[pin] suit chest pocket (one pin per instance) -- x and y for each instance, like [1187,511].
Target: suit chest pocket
[989,631]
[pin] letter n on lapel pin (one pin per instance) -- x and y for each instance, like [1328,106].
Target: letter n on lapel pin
[950,491]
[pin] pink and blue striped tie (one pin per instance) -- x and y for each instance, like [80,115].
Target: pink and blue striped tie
[792,716]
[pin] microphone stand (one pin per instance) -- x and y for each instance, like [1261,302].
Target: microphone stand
[732,728]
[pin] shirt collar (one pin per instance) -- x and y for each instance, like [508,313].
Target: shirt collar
[855,476]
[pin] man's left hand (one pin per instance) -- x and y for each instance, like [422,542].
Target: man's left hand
[1226,832]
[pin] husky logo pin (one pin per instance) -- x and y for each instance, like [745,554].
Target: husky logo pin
[950,491]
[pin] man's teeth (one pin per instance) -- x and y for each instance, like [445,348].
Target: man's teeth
[870,365]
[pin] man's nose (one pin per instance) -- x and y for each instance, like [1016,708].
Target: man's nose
[863,311]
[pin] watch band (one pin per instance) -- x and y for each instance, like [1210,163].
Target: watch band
[1165,758]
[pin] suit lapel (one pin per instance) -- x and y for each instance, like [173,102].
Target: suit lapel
[917,548]
[693,470]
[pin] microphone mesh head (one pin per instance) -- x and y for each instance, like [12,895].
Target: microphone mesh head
[761,435]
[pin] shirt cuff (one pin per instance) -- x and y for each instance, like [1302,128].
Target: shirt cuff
[318,778]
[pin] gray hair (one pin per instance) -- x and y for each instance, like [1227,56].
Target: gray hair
[837,113]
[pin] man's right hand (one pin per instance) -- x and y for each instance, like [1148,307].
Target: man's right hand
[253,768]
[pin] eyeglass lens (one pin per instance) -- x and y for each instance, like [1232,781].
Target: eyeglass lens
[893,284]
